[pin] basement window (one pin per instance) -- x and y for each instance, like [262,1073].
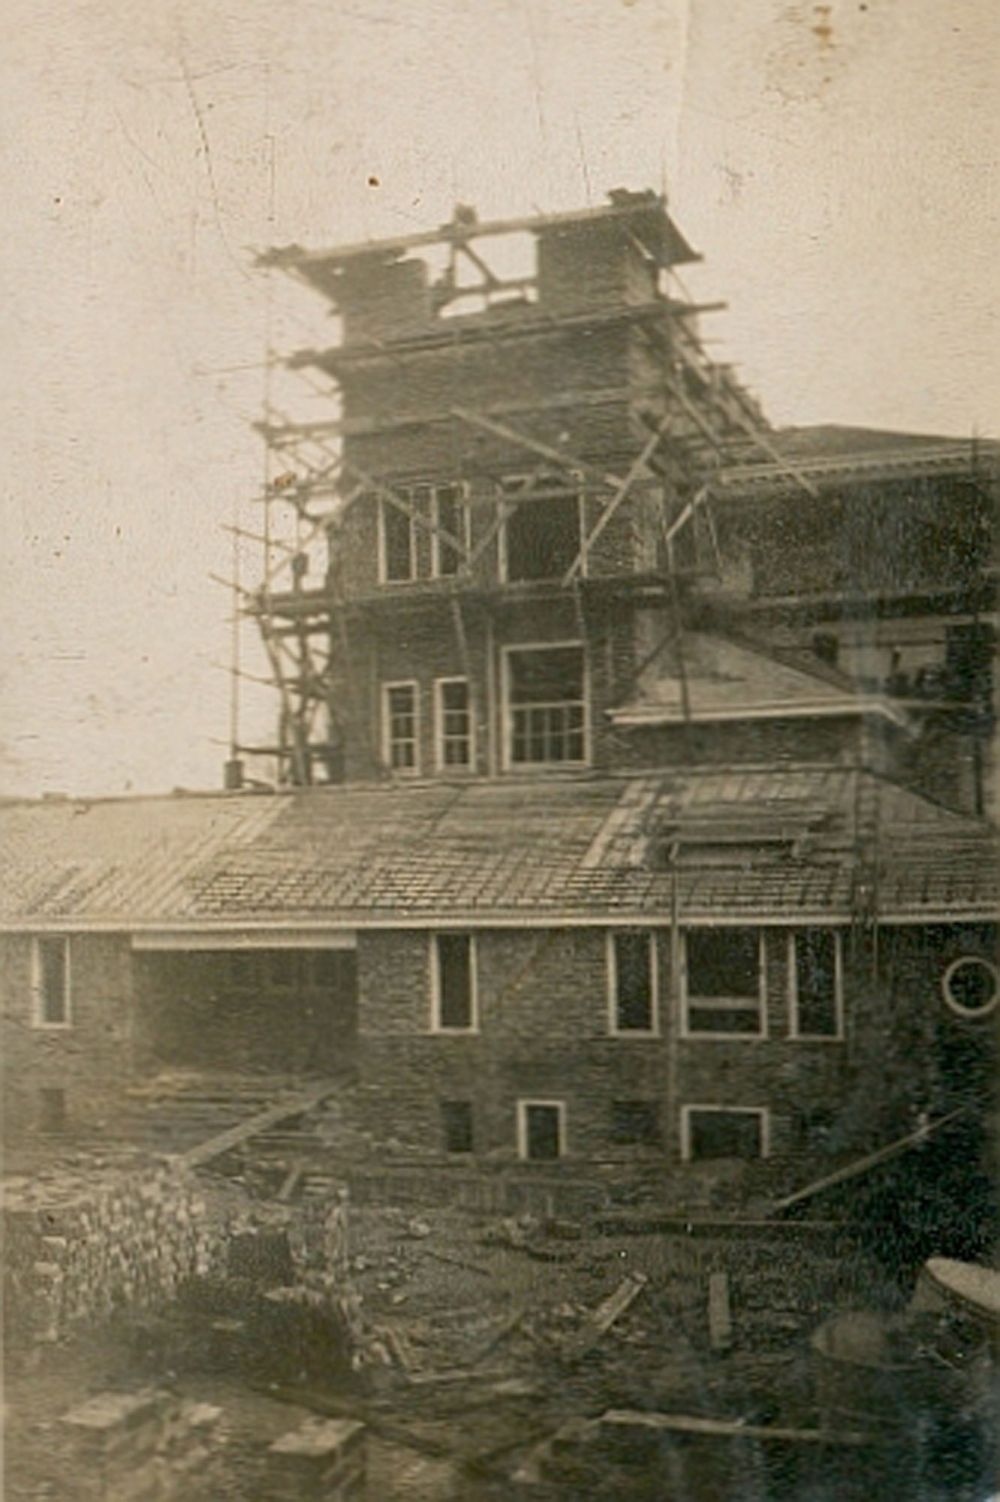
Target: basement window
[546,705]
[451,517]
[456,1124]
[541,1129]
[632,981]
[542,535]
[396,543]
[815,985]
[51,1109]
[454,723]
[636,1123]
[724,1132]
[51,981]
[400,727]
[453,983]
[723,983]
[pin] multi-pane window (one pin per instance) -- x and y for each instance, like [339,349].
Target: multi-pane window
[632,964]
[451,523]
[397,544]
[541,535]
[454,723]
[815,983]
[723,983]
[545,705]
[453,982]
[400,727]
[456,1126]
[50,981]
[724,1132]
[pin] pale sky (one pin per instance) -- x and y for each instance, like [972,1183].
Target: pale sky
[837,166]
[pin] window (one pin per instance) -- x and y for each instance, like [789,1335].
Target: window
[541,1129]
[456,1122]
[51,982]
[400,749]
[635,1123]
[454,723]
[724,1132]
[814,984]
[723,983]
[541,536]
[453,982]
[396,549]
[971,986]
[451,516]
[632,965]
[545,705]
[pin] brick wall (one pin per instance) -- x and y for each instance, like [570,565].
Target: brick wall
[89,1059]
[544,1033]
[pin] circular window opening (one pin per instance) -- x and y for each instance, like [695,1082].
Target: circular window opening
[971,986]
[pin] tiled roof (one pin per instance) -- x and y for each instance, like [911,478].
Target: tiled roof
[768,843]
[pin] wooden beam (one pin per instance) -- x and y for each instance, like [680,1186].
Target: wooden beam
[262,1121]
[696,1426]
[869,1161]
[635,469]
[535,445]
[384,492]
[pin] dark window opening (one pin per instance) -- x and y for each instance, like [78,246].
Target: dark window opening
[455,728]
[401,727]
[542,537]
[282,968]
[636,1123]
[725,1134]
[51,1110]
[723,981]
[826,647]
[53,981]
[455,1004]
[451,517]
[546,702]
[456,1122]
[816,1010]
[542,1135]
[634,1001]
[398,553]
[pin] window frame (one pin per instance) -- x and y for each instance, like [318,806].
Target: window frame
[459,1152]
[404,493]
[722,1003]
[434,965]
[794,1031]
[440,739]
[507,761]
[38,1017]
[523,1104]
[614,1029]
[507,499]
[763,1113]
[464,535]
[386,737]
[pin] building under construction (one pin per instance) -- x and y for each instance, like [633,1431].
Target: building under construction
[655,745]
[622,855]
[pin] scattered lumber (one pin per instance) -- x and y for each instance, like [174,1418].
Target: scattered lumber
[698,1427]
[600,1320]
[291,1182]
[720,1320]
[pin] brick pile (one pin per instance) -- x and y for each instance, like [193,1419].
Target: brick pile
[147,1446]
[79,1248]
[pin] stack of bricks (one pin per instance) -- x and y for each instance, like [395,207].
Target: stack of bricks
[322,1461]
[146,1446]
[82,1247]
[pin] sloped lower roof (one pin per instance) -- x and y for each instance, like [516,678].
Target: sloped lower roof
[578,848]
[726,680]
